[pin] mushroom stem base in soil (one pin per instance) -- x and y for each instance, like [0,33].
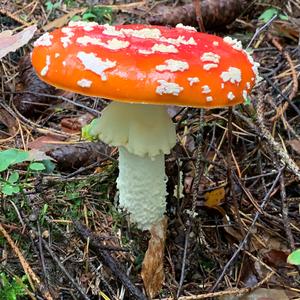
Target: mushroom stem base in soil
[144,134]
[142,187]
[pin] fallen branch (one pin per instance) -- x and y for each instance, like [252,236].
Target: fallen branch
[278,150]
[283,107]
[108,260]
[32,277]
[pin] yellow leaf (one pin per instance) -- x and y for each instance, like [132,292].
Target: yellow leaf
[214,198]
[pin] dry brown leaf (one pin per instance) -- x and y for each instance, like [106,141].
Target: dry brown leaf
[260,294]
[57,23]
[231,230]
[153,265]
[214,198]
[9,121]
[11,42]
[45,143]
[70,156]
[275,258]
[74,156]
[74,125]
[295,144]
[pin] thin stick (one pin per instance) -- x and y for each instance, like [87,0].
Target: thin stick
[216,295]
[285,214]
[63,269]
[260,29]
[27,269]
[229,171]
[243,242]
[108,260]
[195,189]
[198,11]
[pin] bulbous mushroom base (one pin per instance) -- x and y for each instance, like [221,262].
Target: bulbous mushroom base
[142,186]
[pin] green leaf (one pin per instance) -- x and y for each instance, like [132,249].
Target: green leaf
[88,15]
[36,166]
[283,17]
[56,5]
[75,18]
[49,5]
[43,213]
[294,258]
[98,14]
[13,177]
[8,189]
[268,14]
[4,279]
[49,165]
[247,101]
[10,289]
[12,156]
[90,131]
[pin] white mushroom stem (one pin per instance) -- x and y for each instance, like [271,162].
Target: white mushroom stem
[142,187]
[144,134]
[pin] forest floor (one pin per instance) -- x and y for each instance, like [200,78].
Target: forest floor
[62,234]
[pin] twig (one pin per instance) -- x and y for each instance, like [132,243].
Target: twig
[229,170]
[5,12]
[27,269]
[216,295]
[92,267]
[108,260]
[292,104]
[266,135]
[63,269]
[42,258]
[195,189]
[250,229]
[285,158]
[90,110]
[282,108]
[198,12]
[261,29]
[35,126]
[285,214]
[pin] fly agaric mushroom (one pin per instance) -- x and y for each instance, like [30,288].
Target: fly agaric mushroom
[143,67]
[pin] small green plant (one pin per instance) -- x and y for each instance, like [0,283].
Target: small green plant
[52,6]
[12,289]
[247,101]
[11,185]
[269,13]
[11,157]
[34,166]
[43,213]
[96,14]
[294,258]
[69,2]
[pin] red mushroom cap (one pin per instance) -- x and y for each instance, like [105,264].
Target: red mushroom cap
[145,64]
